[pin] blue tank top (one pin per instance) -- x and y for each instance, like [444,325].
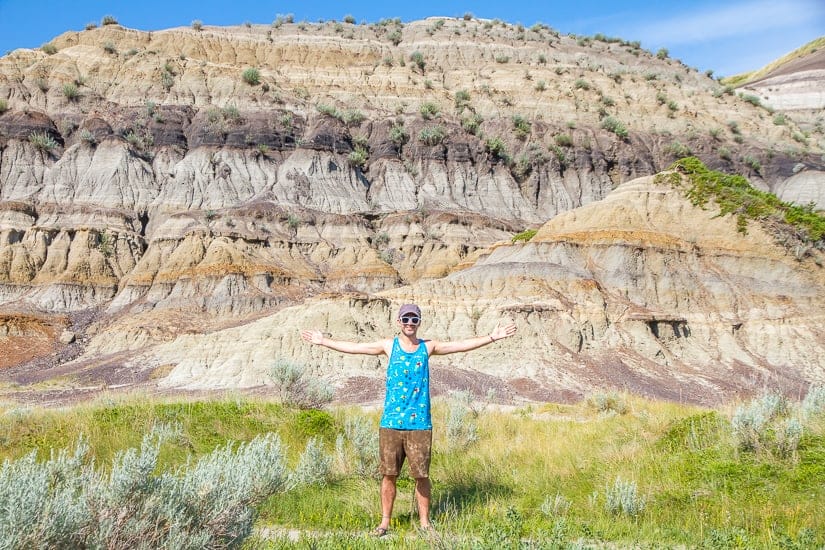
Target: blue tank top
[407,401]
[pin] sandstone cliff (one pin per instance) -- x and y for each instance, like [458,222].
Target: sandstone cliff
[164,192]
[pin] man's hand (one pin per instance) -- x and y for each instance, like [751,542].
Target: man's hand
[312,336]
[503,331]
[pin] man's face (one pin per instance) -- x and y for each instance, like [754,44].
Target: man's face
[409,323]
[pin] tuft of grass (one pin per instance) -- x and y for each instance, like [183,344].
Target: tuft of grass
[4,106]
[678,149]
[70,92]
[752,99]
[462,100]
[251,76]
[521,126]
[472,123]
[581,84]
[432,135]
[418,60]
[496,147]
[616,126]
[358,157]
[429,110]
[399,135]
[42,140]
[352,117]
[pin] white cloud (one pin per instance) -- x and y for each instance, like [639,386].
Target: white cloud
[729,21]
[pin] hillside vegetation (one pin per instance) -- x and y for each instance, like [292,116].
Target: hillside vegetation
[610,469]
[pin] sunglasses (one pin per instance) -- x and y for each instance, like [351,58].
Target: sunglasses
[411,319]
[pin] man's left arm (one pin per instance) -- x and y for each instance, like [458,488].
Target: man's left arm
[469,344]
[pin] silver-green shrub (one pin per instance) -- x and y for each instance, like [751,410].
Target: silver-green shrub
[608,403]
[555,506]
[431,135]
[294,386]
[65,502]
[351,117]
[750,421]
[42,140]
[314,466]
[622,498]
[357,449]
[399,135]
[814,402]
[462,428]
[788,435]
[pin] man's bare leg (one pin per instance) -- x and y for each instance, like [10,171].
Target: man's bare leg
[387,500]
[422,497]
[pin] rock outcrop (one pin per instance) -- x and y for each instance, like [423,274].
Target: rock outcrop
[161,192]
[642,290]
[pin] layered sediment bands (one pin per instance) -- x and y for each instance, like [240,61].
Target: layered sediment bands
[65,258]
[641,290]
[197,218]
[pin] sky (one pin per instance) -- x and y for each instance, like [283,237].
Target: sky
[728,37]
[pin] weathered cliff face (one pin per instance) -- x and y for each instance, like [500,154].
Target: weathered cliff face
[150,192]
[796,88]
[796,91]
[641,290]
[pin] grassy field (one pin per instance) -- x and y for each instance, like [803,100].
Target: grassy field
[612,469]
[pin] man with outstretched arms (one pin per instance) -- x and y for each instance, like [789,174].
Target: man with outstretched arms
[406,426]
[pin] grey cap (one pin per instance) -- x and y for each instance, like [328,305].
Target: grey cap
[406,309]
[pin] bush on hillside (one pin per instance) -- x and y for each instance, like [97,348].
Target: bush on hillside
[616,126]
[251,76]
[734,195]
[42,140]
[524,236]
[432,135]
[750,422]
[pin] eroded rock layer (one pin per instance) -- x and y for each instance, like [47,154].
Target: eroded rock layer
[168,198]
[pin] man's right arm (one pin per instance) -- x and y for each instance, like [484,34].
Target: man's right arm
[362,348]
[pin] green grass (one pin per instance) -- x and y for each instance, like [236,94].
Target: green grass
[734,195]
[524,236]
[699,490]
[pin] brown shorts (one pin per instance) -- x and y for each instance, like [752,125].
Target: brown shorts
[395,445]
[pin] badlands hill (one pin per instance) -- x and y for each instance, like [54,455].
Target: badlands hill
[176,205]
[793,85]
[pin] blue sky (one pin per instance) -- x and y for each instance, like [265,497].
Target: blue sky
[727,36]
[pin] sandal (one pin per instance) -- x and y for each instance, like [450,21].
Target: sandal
[380,532]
